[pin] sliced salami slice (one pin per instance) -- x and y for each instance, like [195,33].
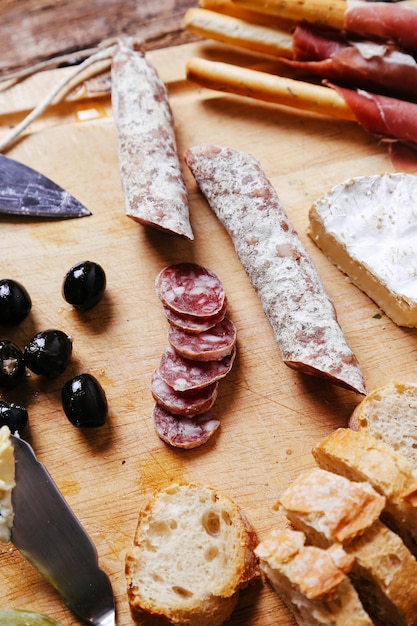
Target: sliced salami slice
[190,289]
[183,374]
[183,432]
[193,324]
[184,403]
[290,290]
[153,186]
[211,345]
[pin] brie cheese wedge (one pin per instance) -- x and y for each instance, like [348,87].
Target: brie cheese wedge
[367,226]
[7,482]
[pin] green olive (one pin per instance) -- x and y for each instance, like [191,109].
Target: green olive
[18,617]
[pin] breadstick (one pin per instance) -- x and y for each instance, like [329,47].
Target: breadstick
[228,7]
[328,12]
[268,87]
[232,30]
[387,21]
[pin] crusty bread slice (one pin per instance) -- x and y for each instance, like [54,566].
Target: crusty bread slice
[384,572]
[332,506]
[357,455]
[7,482]
[192,551]
[311,581]
[389,413]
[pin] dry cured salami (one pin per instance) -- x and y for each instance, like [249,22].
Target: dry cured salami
[192,323]
[190,289]
[290,290]
[182,432]
[210,345]
[184,374]
[184,403]
[153,186]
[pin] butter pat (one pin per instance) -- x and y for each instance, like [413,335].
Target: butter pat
[7,482]
[367,226]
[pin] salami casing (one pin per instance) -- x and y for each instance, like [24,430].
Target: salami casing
[151,177]
[289,288]
[184,403]
[183,432]
[210,345]
[183,374]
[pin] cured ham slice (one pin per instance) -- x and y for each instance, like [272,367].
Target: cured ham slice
[182,432]
[153,186]
[389,118]
[211,345]
[385,21]
[289,288]
[373,66]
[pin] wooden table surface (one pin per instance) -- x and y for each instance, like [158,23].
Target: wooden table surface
[270,415]
[34,30]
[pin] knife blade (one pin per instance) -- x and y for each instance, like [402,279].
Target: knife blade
[50,537]
[26,192]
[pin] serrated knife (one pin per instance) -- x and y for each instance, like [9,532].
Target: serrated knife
[50,537]
[28,193]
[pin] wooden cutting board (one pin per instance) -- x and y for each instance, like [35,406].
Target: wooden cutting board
[270,415]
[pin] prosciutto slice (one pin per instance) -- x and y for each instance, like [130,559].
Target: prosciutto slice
[385,21]
[380,67]
[385,117]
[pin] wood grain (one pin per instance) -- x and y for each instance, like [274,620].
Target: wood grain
[34,30]
[270,415]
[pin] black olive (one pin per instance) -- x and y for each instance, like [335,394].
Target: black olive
[12,365]
[15,302]
[84,285]
[48,353]
[13,416]
[84,401]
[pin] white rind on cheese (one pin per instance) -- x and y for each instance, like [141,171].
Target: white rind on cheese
[7,482]
[367,226]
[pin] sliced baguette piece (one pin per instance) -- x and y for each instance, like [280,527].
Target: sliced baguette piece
[7,482]
[389,413]
[384,572]
[193,550]
[336,508]
[311,581]
[358,456]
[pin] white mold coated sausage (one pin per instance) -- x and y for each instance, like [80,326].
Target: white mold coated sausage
[289,288]
[152,181]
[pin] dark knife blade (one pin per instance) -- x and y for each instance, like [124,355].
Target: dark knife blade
[26,192]
[50,537]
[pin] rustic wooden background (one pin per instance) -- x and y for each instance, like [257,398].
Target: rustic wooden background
[34,30]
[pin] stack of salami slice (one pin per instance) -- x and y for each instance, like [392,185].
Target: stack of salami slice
[202,348]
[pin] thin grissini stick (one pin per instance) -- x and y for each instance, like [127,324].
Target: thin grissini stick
[366,65]
[238,32]
[387,21]
[268,87]
[227,7]
[153,186]
[325,12]
[281,271]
